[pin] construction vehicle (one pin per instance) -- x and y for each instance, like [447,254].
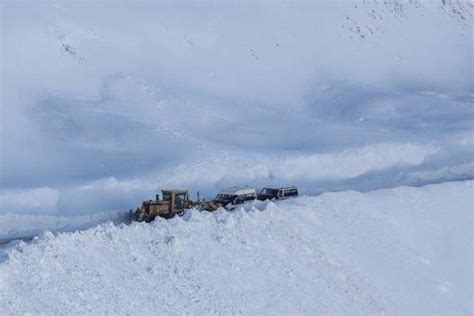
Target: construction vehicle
[277,193]
[173,202]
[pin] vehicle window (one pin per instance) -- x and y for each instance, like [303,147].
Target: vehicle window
[271,191]
[166,196]
[225,197]
[292,193]
[221,197]
[179,200]
[250,197]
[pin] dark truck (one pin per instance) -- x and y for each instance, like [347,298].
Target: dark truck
[277,193]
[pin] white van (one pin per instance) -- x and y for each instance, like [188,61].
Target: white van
[233,197]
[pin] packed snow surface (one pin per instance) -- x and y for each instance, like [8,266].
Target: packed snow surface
[397,251]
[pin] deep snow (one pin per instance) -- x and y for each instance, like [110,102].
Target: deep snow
[396,251]
[101,105]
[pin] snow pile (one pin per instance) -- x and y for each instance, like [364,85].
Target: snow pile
[404,250]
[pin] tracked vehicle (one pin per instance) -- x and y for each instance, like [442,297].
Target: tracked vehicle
[173,202]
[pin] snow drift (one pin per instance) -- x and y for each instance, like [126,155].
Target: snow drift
[397,251]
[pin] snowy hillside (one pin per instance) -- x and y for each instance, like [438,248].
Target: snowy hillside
[367,106]
[102,104]
[396,251]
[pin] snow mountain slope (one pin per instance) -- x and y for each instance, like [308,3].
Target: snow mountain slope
[396,251]
[116,101]
[102,103]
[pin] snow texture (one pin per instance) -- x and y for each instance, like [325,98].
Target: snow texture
[394,251]
[104,102]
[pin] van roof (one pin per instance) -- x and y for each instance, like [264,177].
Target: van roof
[238,190]
[285,187]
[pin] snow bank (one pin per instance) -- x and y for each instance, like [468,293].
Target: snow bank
[210,173]
[117,101]
[345,164]
[404,251]
[14,226]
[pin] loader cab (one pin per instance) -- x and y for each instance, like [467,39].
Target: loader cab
[176,198]
[172,202]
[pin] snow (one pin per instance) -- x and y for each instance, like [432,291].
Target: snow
[396,251]
[14,226]
[101,106]
[118,101]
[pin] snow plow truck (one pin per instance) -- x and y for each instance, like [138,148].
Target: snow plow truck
[173,202]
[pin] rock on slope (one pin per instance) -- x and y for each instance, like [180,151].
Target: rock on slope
[404,250]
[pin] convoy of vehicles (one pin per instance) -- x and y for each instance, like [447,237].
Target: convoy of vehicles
[176,202]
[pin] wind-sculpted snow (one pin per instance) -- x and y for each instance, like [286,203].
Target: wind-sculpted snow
[397,251]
